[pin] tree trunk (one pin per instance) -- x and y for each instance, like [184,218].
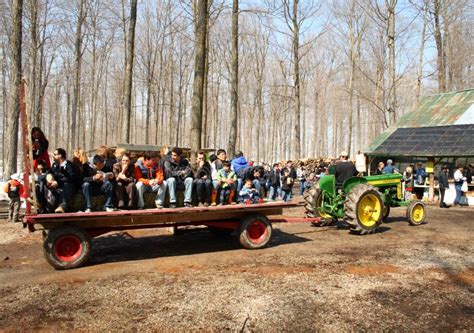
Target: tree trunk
[127,105]
[35,117]
[198,85]
[77,74]
[234,89]
[392,108]
[422,48]
[16,73]
[439,48]
[296,64]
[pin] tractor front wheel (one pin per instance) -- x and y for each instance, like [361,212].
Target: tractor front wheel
[364,209]
[416,213]
[313,198]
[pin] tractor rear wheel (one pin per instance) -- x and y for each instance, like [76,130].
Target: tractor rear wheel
[313,200]
[416,213]
[386,213]
[363,209]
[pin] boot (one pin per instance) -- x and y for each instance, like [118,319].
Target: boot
[232,197]
[213,197]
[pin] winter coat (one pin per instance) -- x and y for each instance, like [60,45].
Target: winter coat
[90,171]
[66,173]
[200,172]
[129,173]
[239,163]
[144,174]
[180,171]
[443,180]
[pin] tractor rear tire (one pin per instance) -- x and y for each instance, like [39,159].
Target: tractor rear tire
[312,198]
[363,209]
[386,213]
[416,213]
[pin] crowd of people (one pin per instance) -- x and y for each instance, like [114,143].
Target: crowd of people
[213,179]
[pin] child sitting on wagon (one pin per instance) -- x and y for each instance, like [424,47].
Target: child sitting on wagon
[249,194]
[227,181]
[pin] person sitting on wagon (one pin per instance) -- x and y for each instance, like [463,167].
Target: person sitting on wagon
[150,178]
[249,194]
[59,186]
[125,188]
[227,180]
[179,175]
[98,179]
[202,179]
[216,165]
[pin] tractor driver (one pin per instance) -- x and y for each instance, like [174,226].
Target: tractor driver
[345,169]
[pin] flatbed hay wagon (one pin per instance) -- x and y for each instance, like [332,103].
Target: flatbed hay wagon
[67,237]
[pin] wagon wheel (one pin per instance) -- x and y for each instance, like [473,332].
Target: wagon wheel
[66,247]
[364,209]
[313,200]
[416,213]
[255,232]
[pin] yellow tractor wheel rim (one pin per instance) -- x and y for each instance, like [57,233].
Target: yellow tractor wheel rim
[417,213]
[320,212]
[369,210]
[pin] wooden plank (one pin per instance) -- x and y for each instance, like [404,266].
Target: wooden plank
[104,220]
[164,211]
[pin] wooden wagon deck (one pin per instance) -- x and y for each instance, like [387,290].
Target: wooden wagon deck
[131,219]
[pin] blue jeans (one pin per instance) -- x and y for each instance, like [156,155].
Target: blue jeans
[159,189]
[203,190]
[458,193]
[273,192]
[188,189]
[286,195]
[90,189]
[302,187]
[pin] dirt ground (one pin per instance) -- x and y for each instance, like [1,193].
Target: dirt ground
[402,278]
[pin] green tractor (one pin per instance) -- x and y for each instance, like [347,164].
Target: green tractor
[362,202]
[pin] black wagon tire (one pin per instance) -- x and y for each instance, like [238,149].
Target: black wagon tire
[363,209]
[66,247]
[255,232]
[312,200]
[416,213]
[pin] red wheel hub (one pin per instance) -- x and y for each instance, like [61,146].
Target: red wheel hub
[68,248]
[257,231]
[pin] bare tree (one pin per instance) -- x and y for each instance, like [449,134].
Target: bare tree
[127,105]
[198,85]
[234,90]
[16,72]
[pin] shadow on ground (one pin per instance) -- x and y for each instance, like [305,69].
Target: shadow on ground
[124,247]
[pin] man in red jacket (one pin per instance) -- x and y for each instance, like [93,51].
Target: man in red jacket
[149,176]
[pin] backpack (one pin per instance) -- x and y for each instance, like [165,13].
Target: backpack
[463,201]
[13,191]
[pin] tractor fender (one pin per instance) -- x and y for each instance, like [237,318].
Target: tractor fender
[351,182]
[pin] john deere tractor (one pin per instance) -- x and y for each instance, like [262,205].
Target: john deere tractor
[362,202]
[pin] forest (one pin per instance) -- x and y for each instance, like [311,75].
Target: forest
[277,79]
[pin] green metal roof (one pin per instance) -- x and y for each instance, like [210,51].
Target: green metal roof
[439,110]
[456,108]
